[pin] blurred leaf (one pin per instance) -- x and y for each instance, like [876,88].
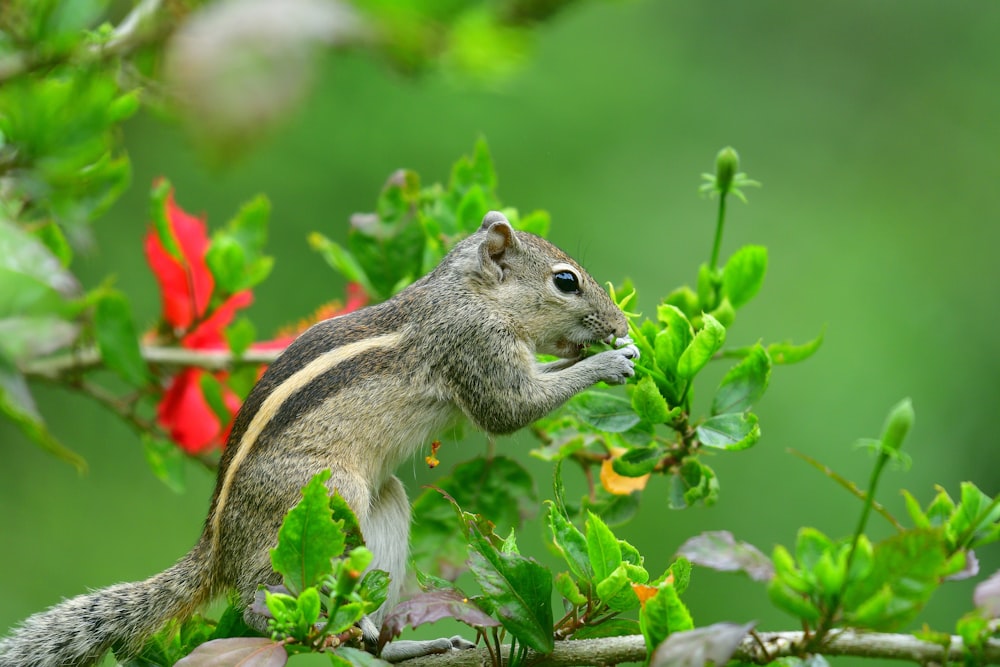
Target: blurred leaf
[118,340]
[346,655]
[498,488]
[53,238]
[693,481]
[344,263]
[707,341]
[242,651]
[474,171]
[603,411]
[27,337]
[166,460]
[720,551]
[24,254]
[987,596]
[484,48]
[743,274]
[787,353]
[744,384]
[536,222]
[227,261]
[910,564]
[732,432]
[240,336]
[309,538]
[614,509]
[713,644]
[17,404]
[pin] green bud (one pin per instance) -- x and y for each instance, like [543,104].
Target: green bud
[897,425]
[727,163]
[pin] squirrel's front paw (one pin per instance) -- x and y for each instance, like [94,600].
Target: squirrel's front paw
[617,366]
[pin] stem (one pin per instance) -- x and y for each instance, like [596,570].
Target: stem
[720,223]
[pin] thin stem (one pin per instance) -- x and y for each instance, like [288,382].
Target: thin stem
[719,224]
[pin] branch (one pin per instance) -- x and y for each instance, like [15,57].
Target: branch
[129,34]
[213,360]
[615,650]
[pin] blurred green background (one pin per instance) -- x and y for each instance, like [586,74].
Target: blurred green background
[875,128]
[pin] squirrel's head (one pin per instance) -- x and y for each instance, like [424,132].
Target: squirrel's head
[550,299]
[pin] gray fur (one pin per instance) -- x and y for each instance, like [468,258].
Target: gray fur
[358,395]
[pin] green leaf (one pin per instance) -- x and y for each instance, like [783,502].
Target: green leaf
[166,460]
[685,300]
[691,482]
[615,590]
[786,598]
[516,588]
[604,411]
[567,587]
[571,543]
[227,261]
[810,546]
[787,353]
[499,488]
[639,461]
[744,274]
[648,403]
[910,563]
[744,384]
[536,222]
[308,539]
[117,338]
[22,253]
[344,263]
[662,615]
[603,549]
[240,336]
[17,404]
[707,341]
[731,432]
[352,657]
[670,343]
[161,224]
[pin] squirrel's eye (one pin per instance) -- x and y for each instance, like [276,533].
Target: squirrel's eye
[566,282]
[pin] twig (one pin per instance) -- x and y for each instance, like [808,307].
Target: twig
[212,360]
[766,647]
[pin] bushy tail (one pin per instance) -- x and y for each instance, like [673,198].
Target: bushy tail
[79,631]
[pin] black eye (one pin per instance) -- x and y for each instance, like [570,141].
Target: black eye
[566,282]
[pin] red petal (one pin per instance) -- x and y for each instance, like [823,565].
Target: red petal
[186,416]
[185,286]
[208,334]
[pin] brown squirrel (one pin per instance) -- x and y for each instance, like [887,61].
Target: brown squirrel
[359,394]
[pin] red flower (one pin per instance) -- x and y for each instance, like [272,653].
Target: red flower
[191,308]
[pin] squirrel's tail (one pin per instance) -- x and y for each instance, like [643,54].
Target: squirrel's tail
[79,631]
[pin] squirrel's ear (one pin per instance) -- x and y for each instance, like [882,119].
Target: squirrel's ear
[499,239]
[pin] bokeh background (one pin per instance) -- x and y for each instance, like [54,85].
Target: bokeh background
[875,129]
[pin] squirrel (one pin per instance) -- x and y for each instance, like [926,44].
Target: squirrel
[357,395]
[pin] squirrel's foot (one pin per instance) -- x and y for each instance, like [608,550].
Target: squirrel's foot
[400,650]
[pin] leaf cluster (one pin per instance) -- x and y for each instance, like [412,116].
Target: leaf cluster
[413,227]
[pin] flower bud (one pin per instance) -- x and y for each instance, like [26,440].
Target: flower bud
[897,425]
[727,163]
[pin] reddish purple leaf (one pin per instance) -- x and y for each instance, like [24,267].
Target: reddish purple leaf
[696,648]
[433,606]
[987,595]
[237,652]
[719,550]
